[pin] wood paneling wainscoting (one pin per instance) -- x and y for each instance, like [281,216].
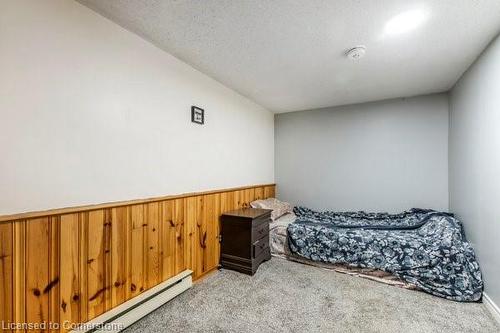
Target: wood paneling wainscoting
[73,264]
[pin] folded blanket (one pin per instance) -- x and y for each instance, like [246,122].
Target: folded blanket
[422,247]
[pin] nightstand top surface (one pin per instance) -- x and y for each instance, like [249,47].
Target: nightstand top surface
[250,213]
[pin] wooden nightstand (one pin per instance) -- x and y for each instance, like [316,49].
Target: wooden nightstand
[245,239]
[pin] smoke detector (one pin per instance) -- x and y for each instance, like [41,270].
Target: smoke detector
[356,53]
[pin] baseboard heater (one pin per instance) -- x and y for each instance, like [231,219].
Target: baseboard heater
[134,309]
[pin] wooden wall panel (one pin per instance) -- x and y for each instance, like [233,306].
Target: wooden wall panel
[108,284]
[69,287]
[269,192]
[226,201]
[6,272]
[180,237]
[137,257]
[83,231]
[190,232]
[216,223]
[210,237]
[168,239]
[152,245]
[74,266]
[119,254]
[201,234]
[248,197]
[37,270]
[259,193]
[53,288]
[96,282]
[19,279]
[239,199]
[200,239]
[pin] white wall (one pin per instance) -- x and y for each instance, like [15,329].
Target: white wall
[475,161]
[91,113]
[384,156]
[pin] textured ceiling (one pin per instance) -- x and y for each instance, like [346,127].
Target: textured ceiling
[288,55]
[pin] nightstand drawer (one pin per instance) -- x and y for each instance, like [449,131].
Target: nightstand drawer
[265,219]
[260,246]
[260,231]
[245,239]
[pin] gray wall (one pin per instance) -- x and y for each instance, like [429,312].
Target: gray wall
[475,161]
[384,156]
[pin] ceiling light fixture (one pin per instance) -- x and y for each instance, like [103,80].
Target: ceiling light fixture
[405,22]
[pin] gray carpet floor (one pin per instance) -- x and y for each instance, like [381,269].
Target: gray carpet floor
[284,296]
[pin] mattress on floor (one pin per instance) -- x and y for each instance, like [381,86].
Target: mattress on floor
[279,248]
[425,248]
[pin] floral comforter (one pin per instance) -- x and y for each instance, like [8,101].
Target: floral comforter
[423,247]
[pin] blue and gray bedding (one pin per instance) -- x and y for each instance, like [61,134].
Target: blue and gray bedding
[423,247]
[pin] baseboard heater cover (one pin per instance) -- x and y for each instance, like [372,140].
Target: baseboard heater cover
[134,309]
[492,307]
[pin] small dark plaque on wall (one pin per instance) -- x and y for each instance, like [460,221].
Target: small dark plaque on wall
[197,115]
